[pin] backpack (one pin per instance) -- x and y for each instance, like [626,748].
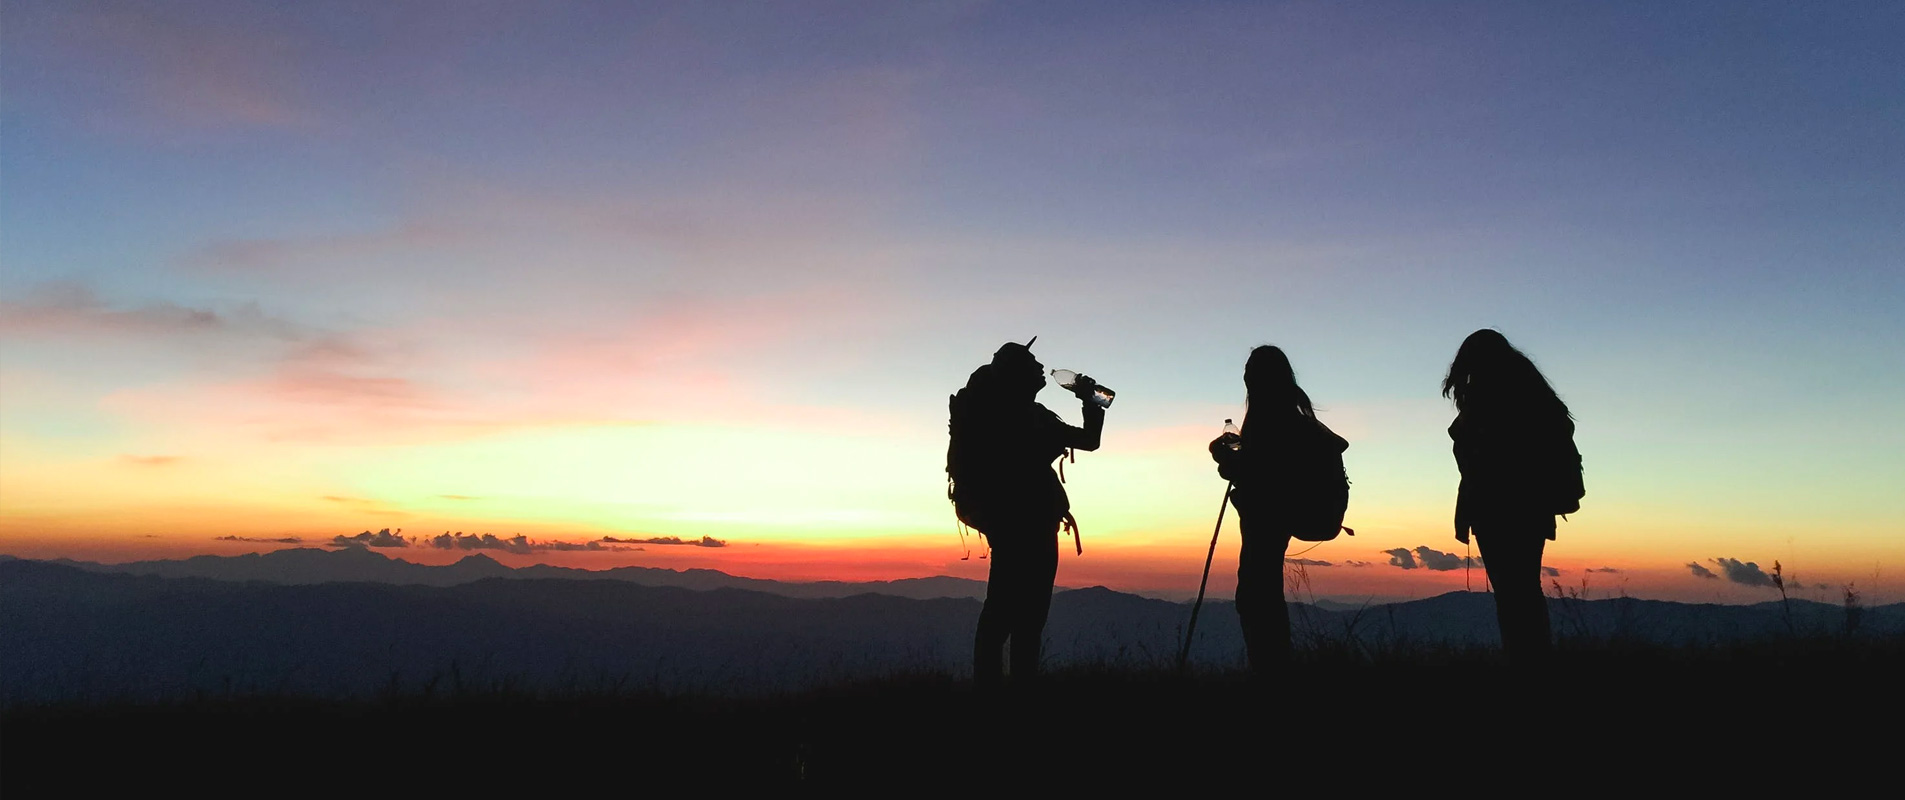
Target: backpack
[1566,485]
[959,465]
[1325,493]
[968,455]
[1313,491]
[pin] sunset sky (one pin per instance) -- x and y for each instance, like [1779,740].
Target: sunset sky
[292,271]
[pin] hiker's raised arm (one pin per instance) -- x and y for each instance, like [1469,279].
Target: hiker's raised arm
[1087,438]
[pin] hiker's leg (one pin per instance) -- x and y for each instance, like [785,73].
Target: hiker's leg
[988,647]
[1038,570]
[1512,558]
[1261,609]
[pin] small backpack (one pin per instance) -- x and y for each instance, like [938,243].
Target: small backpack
[1325,486]
[1313,492]
[1567,485]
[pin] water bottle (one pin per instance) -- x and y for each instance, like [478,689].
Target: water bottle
[1233,435]
[1066,379]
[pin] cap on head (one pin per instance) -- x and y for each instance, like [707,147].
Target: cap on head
[1015,353]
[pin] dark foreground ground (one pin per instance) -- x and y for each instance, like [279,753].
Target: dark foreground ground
[1815,714]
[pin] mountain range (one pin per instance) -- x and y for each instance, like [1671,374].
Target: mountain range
[299,566]
[90,633]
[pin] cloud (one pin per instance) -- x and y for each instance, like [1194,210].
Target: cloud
[1438,561]
[283,540]
[336,388]
[1745,573]
[705,541]
[1425,557]
[382,538]
[522,545]
[1307,562]
[73,309]
[1608,570]
[1354,563]
[1551,572]
[593,546]
[257,254]
[518,544]
[150,461]
[1700,571]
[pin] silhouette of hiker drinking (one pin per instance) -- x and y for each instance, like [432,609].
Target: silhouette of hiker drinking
[1286,479]
[999,462]
[1514,444]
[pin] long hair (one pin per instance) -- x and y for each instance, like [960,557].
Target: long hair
[1487,370]
[1270,384]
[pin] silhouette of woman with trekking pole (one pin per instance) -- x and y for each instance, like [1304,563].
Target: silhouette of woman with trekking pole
[1514,443]
[1286,478]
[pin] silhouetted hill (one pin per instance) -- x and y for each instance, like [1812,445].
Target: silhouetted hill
[70,633]
[350,564]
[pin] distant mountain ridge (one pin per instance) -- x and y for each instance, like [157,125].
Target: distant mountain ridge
[302,566]
[76,633]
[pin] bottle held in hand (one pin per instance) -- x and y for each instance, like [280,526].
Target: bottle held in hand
[1232,435]
[1069,380]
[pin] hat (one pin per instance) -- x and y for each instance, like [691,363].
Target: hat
[1013,351]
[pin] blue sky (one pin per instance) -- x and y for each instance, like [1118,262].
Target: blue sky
[420,224]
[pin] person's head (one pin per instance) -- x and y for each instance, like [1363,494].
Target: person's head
[1488,369]
[1270,382]
[1017,374]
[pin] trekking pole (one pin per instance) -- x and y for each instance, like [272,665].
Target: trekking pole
[1184,655]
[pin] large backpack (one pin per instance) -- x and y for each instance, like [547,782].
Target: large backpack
[968,454]
[959,464]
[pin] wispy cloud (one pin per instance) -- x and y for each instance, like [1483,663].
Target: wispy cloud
[1700,571]
[280,540]
[705,541]
[575,546]
[74,309]
[523,545]
[266,254]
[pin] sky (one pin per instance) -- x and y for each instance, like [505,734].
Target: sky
[587,271]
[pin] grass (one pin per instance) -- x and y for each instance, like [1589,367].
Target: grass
[1362,711]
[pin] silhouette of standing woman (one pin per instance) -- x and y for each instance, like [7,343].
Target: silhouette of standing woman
[999,461]
[1514,443]
[1270,465]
